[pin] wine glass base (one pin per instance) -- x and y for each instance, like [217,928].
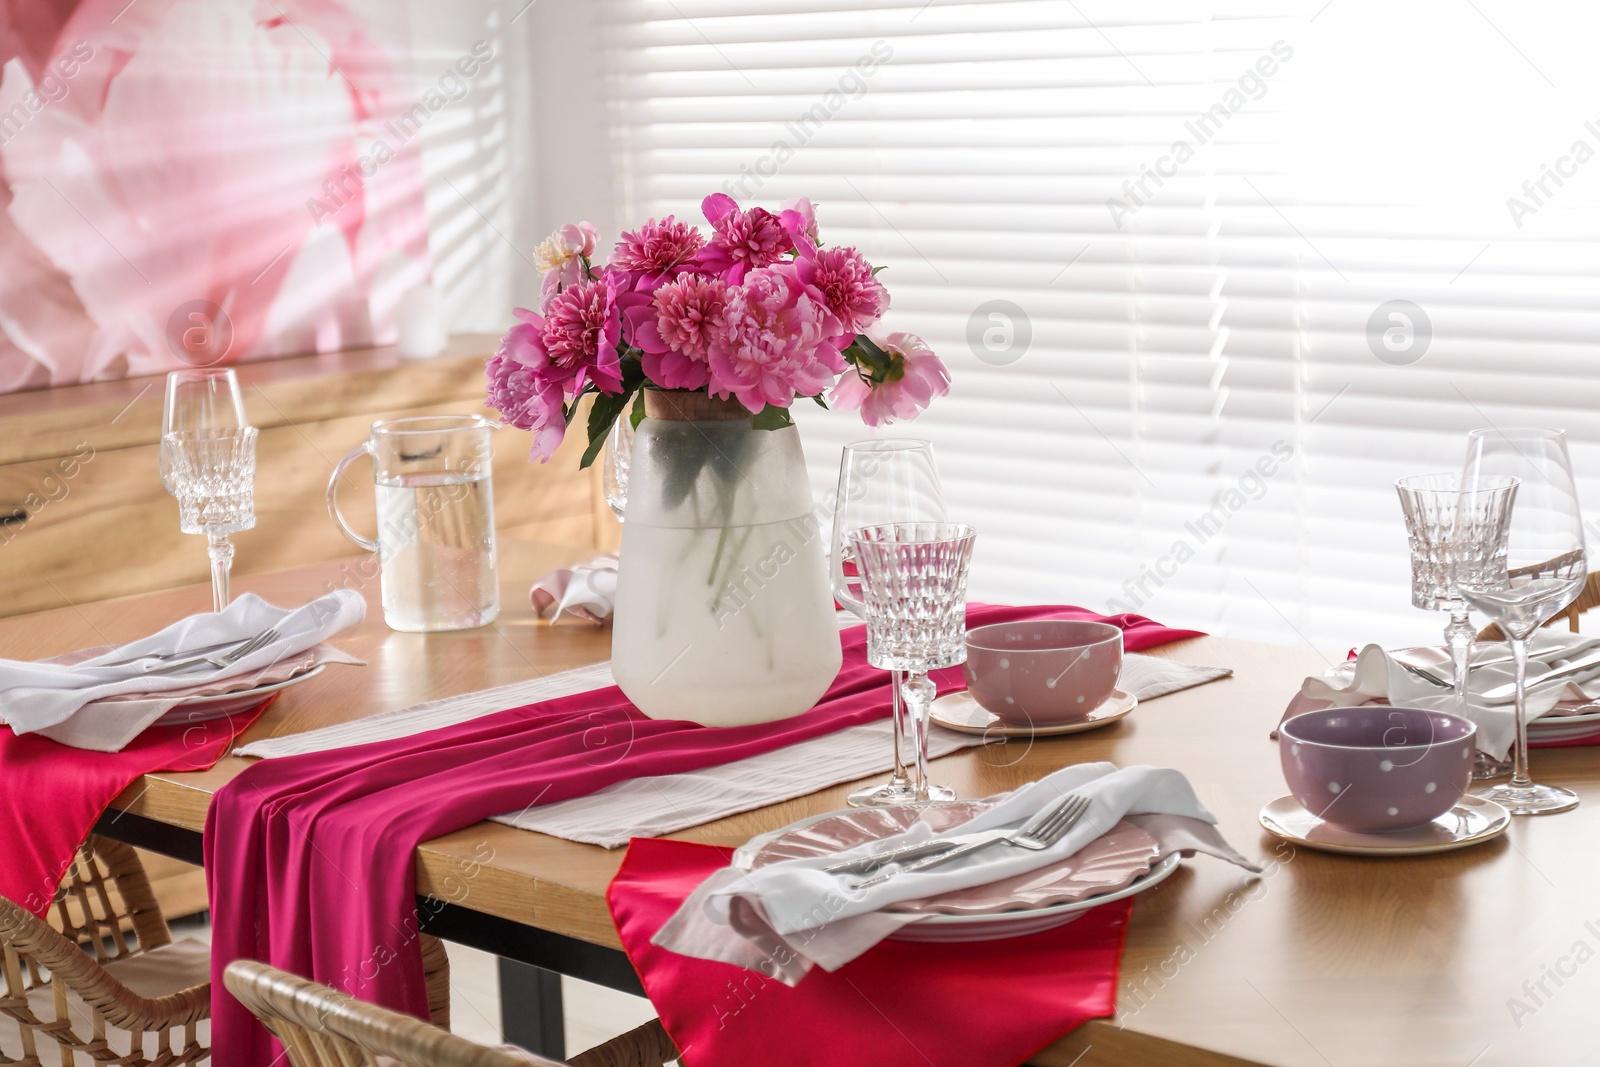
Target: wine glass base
[1485,767]
[893,794]
[1530,799]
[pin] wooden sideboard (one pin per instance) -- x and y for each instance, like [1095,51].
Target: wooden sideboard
[84,516]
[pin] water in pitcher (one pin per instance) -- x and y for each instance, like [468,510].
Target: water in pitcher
[738,628]
[437,533]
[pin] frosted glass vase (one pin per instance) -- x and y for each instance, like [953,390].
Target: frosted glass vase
[723,613]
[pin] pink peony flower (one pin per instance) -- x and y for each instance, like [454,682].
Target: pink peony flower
[581,328]
[799,218]
[563,258]
[768,346]
[744,241]
[657,251]
[688,312]
[524,342]
[915,377]
[526,401]
[847,286]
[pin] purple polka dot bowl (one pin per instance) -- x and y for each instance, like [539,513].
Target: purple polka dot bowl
[1043,673]
[1374,769]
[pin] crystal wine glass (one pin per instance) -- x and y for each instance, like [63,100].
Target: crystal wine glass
[1441,547]
[619,454]
[914,591]
[1543,571]
[213,475]
[883,481]
[199,399]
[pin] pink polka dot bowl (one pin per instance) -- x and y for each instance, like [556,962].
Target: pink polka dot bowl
[1374,769]
[1044,672]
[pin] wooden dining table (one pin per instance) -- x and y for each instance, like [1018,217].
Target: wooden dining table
[1484,956]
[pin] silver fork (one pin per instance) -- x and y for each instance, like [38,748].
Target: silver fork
[1040,832]
[187,653]
[225,659]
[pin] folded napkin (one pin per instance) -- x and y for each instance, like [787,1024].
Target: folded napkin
[585,592]
[35,696]
[785,918]
[117,720]
[1377,677]
[977,1004]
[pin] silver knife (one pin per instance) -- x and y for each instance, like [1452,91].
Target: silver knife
[1503,692]
[933,844]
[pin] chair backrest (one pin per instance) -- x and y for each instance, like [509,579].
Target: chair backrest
[321,1027]
[1587,598]
[103,897]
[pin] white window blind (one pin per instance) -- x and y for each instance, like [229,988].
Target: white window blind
[1191,212]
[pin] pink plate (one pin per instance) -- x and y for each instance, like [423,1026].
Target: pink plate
[1011,907]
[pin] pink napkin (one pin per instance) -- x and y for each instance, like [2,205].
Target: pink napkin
[51,794]
[979,1004]
[311,858]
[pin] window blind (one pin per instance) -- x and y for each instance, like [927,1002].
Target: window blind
[1160,247]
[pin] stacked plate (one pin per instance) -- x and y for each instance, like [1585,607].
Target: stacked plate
[1119,864]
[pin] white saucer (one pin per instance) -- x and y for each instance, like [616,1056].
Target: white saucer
[961,712]
[1471,821]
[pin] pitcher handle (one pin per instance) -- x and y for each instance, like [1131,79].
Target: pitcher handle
[333,498]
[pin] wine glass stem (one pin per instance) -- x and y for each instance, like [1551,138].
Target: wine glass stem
[1459,635]
[1519,656]
[919,693]
[900,732]
[221,551]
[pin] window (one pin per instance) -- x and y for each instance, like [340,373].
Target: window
[1209,277]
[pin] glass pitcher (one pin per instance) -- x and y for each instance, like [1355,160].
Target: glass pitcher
[435,539]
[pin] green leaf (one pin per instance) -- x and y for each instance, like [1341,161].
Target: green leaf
[771,417]
[607,406]
[821,403]
[636,416]
[875,270]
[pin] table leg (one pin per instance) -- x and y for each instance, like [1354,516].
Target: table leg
[530,1009]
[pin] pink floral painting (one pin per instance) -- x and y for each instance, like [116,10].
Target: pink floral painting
[199,182]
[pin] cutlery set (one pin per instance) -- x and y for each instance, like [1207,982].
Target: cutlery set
[222,654]
[1043,830]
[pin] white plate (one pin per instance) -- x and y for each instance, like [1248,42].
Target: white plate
[953,928]
[1471,821]
[197,709]
[961,712]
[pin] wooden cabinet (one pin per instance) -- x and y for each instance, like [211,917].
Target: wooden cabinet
[83,514]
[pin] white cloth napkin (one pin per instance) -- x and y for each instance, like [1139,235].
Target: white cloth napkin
[35,696]
[587,591]
[1376,676]
[787,917]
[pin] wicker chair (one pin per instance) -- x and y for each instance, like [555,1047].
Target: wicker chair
[323,1028]
[1588,598]
[103,982]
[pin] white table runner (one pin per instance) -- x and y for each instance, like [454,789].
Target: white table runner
[651,807]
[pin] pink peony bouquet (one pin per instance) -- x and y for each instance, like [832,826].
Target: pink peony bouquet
[758,310]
